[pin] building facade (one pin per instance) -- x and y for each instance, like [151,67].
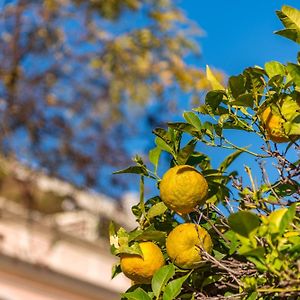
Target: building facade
[59,255]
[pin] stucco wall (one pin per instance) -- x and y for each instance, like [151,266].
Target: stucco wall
[48,252]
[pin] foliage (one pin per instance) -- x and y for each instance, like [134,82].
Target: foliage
[74,74]
[255,228]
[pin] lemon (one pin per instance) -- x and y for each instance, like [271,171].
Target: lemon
[274,126]
[182,188]
[185,243]
[141,269]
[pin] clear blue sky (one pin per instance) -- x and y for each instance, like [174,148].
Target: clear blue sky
[239,33]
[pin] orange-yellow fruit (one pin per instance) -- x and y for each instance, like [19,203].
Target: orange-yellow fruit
[141,269]
[274,126]
[185,243]
[182,188]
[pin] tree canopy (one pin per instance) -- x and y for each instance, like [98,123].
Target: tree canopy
[75,74]
[242,241]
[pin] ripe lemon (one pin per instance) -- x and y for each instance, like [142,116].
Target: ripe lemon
[274,126]
[140,269]
[184,244]
[182,188]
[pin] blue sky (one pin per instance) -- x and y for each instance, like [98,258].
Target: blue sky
[240,33]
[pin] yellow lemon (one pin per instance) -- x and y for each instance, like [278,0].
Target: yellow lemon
[141,269]
[274,126]
[182,188]
[185,243]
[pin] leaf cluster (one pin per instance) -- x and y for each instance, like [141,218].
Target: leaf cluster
[255,228]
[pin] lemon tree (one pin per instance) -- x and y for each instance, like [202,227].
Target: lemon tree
[217,234]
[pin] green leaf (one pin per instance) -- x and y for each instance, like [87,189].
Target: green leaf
[122,236]
[252,296]
[214,98]
[210,279]
[290,18]
[255,80]
[134,249]
[237,85]
[154,155]
[206,109]
[274,68]
[161,277]
[157,210]
[291,34]
[192,119]
[291,112]
[134,170]
[246,250]
[163,145]
[286,189]
[208,129]
[293,127]
[233,244]
[287,218]
[116,270]
[185,153]
[174,287]
[211,172]
[138,294]
[151,235]
[259,265]
[229,160]
[200,159]
[216,85]
[133,234]
[294,71]
[184,127]
[218,255]
[243,222]
[244,100]
[163,134]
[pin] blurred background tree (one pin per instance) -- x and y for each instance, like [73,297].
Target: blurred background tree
[78,79]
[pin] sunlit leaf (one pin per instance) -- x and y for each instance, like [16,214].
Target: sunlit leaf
[173,288]
[294,71]
[157,210]
[137,294]
[154,155]
[243,222]
[133,170]
[274,68]
[193,119]
[229,160]
[161,277]
[216,85]
[290,17]
[185,153]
